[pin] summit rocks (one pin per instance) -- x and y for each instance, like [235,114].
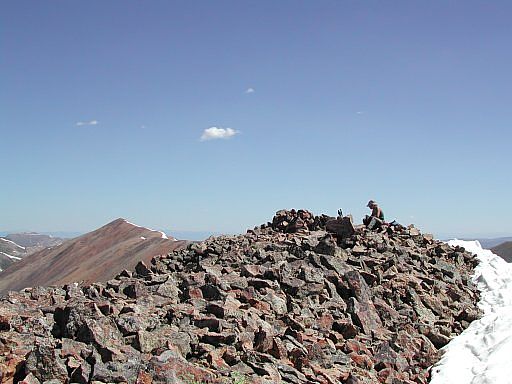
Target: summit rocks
[287,302]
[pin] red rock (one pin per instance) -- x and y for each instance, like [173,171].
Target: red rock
[385,376]
[215,359]
[278,349]
[330,376]
[325,322]
[216,339]
[386,357]
[262,306]
[8,368]
[245,340]
[195,293]
[212,323]
[251,270]
[263,340]
[170,365]
[362,361]
[144,378]
[354,346]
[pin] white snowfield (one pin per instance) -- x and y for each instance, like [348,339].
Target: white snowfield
[482,354]
[162,234]
[11,242]
[11,256]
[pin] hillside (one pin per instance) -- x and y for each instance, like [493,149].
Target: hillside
[10,252]
[504,250]
[95,256]
[287,302]
[15,246]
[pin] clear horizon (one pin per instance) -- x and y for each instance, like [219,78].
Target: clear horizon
[212,116]
[202,234]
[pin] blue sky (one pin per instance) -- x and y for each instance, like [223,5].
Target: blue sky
[404,102]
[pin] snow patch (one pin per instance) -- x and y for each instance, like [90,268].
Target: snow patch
[11,242]
[481,354]
[11,256]
[162,234]
[143,238]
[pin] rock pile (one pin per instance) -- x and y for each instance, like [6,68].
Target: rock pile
[297,221]
[287,302]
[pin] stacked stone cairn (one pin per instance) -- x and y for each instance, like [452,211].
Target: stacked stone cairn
[287,302]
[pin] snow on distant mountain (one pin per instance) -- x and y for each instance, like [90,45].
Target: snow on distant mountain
[34,239]
[12,243]
[15,246]
[10,256]
[162,234]
[10,252]
[96,256]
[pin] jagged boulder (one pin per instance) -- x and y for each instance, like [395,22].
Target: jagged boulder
[343,227]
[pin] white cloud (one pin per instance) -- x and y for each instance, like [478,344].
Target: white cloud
[92,122]
[250,90]
[359,112]
[214,133]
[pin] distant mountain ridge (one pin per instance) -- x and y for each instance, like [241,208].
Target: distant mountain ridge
[10,252]
[15,246]
[491,243]
[34,239]
[96,256]
[504,250]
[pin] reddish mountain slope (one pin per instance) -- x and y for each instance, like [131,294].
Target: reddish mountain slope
[96,256]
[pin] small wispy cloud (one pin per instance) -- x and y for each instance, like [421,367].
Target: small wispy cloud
[250,90]
[215,133]
[92,122]
[142,127]
[359,112]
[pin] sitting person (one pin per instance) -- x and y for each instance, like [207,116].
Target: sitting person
[376,219]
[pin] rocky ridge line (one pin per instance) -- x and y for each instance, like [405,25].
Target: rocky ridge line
[288,302]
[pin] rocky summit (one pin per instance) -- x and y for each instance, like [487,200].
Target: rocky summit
[301,299]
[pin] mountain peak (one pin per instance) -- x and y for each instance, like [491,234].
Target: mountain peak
[96,256]
[121,222]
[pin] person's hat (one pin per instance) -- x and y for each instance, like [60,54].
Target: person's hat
[370,203]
